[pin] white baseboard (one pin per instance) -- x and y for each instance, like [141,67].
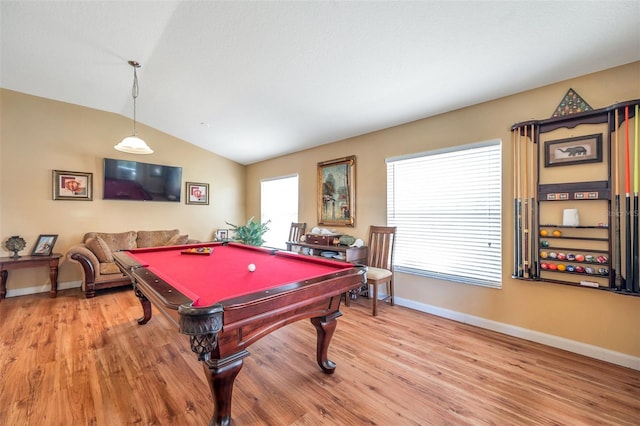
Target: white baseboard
[523,333]
[41,289]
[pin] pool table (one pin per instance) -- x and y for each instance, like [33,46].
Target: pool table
[210,293]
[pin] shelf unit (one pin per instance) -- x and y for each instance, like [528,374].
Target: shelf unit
[587,255]
[574,258]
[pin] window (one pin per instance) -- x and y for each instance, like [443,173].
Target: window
[447,207]
[279,204]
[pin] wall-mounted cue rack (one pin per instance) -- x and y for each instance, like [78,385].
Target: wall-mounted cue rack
[576,199]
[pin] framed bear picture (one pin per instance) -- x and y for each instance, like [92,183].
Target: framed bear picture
[577,150]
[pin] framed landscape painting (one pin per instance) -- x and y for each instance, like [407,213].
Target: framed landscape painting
[336,191]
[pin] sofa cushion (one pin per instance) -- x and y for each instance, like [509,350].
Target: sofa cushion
[155,238]
[100,248]
[177,240]
[108,268]
[115,240]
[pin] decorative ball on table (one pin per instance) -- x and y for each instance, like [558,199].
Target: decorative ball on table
[251,267]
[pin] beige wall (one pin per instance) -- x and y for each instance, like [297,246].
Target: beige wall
[584,315]
[40,135]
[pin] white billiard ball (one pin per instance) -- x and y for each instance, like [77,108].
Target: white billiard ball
[252,267]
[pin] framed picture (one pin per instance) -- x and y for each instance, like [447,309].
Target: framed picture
[197,193]
[578,150]
[222,234]
[44,245]
[72,186]
[336,192]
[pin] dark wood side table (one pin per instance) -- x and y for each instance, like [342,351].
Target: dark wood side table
[7,263]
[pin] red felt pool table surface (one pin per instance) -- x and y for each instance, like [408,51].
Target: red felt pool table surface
[224,274]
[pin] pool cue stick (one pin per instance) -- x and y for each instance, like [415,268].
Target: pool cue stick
[627,252]
[616,184]
[525,197]
[516,206]
[532,204]
[636,286]
[520,207]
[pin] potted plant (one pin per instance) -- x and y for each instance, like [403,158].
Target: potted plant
[251,233]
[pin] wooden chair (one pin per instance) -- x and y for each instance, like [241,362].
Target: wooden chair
[297,230]
[380,262]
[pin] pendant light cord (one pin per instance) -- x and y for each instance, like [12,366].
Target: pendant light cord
[134,93]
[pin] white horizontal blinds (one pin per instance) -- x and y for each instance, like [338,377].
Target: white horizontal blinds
[447,207]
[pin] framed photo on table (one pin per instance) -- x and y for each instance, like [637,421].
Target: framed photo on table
[72,186]
[578,150]
[336,191]
[222,235]
[197,193]
[44,245]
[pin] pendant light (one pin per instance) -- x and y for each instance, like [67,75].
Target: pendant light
[133,144]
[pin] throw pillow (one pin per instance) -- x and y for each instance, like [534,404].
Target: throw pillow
[177,240]
[155,238]
[100,248]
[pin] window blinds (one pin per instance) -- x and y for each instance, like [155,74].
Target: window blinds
[447,207]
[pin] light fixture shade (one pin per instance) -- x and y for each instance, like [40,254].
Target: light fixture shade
[133,145]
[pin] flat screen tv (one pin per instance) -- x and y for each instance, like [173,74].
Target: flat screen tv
[132,180]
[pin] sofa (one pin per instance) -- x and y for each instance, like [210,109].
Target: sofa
[95,255]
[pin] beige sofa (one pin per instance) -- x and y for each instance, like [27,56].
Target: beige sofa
[95,255]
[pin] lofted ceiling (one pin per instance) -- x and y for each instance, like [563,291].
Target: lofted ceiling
[255,80]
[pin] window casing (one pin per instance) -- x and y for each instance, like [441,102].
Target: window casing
[447,207]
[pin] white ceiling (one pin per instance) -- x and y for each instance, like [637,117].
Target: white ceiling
[255,80]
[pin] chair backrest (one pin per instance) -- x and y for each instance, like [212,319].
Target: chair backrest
[297,230]
[381,245]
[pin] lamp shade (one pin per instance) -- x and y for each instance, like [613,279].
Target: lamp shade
[133,145]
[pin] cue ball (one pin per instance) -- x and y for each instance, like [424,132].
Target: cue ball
[252,267]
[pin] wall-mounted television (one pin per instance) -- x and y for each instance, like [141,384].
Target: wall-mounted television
[132,180]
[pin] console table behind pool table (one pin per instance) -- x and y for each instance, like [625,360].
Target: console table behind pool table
[7,263]
[223,306]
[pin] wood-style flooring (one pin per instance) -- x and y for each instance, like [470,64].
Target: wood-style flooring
[76,361]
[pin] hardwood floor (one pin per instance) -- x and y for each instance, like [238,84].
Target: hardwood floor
[77,361]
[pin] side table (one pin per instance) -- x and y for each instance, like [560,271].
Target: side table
[7,263]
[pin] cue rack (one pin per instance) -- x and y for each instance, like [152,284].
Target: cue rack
[575,191]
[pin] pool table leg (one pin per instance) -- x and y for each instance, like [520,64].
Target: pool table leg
[325,326]
[221,373]
[146,307]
